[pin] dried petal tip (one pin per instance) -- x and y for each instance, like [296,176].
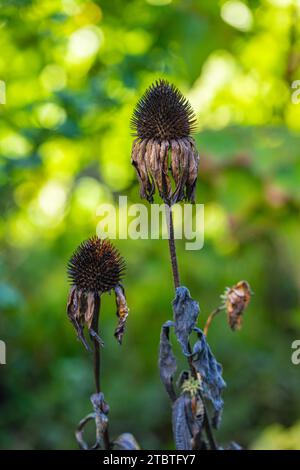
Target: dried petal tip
[236,300]
[96,266]
[122,313]
[163,113]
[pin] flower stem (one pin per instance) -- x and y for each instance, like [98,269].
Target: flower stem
[172,246]
[97,360]
[210,319]
[176,278]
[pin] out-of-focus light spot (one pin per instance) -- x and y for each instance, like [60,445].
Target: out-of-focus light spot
[245,88]
[89,13]
[21,231]
[116,174]
[216,226]
[292,117]
[61,156]
[215,220]
[84,43]
[275,196]
[14,146]
[218,71]
[159,2]
[70,7]
[2,92]
[51,115]
[137,41]
[24,193]
[52,199]
[221,117]
[53,77]
[284,3]
[89,192]
[237,14]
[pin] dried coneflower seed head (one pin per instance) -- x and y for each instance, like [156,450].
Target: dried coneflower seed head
[96,266]
[163,152]
[163,113]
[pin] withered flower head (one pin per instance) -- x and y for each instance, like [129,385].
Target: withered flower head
[236,300]
[164,153]
[96,267]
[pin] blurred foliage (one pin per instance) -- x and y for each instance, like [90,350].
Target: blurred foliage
[277,437]
[73,70]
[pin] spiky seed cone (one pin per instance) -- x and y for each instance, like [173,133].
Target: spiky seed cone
[163,113]
[164,154]
[96,266]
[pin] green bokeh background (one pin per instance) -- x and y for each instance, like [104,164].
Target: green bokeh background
[74,70]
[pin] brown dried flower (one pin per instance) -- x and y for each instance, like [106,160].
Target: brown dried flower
[163,151]
[96,267]
[236,300]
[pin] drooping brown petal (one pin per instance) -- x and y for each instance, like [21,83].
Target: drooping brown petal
[237,299]
[175,165]
[135,150]
[164,158]
[151,161]
[193,172]
[182,171]
[142,162]
[157,167]
[122,312]
[175,162]
[140,168]
[149,158]
[90,309]
[74,312]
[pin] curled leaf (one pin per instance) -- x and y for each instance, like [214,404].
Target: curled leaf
[187,422]
[210,371]
[126,441]
[234,446]
[167,360]
[99,415]
[186,311]
[122,312]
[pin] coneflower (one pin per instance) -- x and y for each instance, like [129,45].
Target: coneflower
[95,267]
[164,153]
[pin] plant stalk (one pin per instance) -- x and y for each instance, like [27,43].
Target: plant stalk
[97,360]
[176,278]
[172,247]
[210,319]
